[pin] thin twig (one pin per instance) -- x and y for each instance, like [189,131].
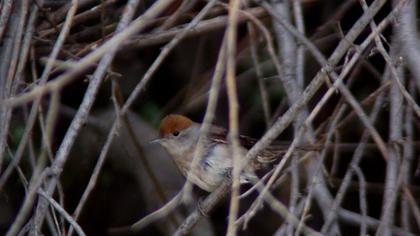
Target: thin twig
[259,74]
[285,120]
[231,34]
[396,119]
[27,204]
[282,210]
[414,207]
[407,161]
[63,212]
[100,72]
[90,95]
[406,32]
[354,162]
[158,214]
[4,17]
[362,199]
[206,206]
[91,58]
[316,110]
[11,80]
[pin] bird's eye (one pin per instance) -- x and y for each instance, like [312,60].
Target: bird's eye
[175,133]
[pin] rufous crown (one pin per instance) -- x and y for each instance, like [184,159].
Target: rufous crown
[173,123]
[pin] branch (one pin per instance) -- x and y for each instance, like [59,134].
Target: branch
[63,212]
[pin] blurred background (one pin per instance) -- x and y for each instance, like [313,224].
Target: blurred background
[137,176]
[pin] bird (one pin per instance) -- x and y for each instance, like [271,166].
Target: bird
[179,135]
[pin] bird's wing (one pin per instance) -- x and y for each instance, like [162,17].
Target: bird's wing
[273,152]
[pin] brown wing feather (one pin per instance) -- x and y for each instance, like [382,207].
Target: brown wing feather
[272,153]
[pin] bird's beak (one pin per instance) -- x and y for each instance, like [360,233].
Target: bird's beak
[157,140]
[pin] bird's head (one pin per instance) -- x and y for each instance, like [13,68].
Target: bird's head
[177,133]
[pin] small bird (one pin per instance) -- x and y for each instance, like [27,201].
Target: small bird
[179,136]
